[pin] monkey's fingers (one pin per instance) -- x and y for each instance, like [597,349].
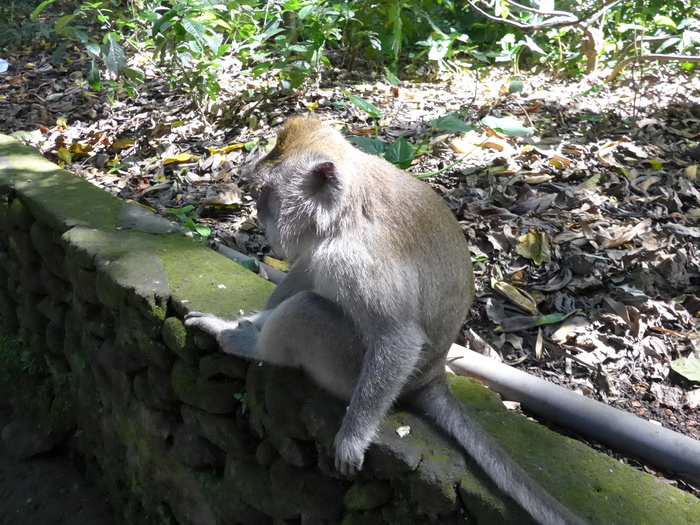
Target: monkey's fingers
[349,456]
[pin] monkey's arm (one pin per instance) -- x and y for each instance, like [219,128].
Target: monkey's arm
[389,362]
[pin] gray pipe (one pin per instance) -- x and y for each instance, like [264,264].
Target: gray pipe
[618,429]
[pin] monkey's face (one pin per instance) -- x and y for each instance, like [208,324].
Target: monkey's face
[268,205]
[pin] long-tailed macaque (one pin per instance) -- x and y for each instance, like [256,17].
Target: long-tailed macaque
[380,284]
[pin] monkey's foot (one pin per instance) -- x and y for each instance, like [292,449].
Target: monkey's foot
[209,323]
[242,341]
[238,338]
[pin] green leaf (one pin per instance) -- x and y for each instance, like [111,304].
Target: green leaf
[40,8]
[556,317]
[113,55]
[687,367]
[369,108]
[251,264]
[305,11]
[592,182]
[664,21]
[134,74]
[93,49]
[507,125]
[391,78]
[516,86]
[452,123]
[400,153]
[204,231]
[93,76]
[369,145]
[193,28]
[592,91]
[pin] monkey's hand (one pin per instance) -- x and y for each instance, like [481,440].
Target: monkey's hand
[234,337]
[349,453]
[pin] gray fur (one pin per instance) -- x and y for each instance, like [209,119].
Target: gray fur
[381,282]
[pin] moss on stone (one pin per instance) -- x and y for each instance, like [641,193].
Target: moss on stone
[203,280]
[367,495]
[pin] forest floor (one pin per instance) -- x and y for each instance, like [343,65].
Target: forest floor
[585,230]
[47,489]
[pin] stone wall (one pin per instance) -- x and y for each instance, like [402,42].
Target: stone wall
[177,432]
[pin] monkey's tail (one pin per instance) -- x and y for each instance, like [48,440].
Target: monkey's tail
[437,402]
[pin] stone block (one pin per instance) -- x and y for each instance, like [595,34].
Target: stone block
[266,453]
[55,337]
[125,357]
[284,407]
[53,310]
[217,397]
[296,453]
[84,284]
[195,451]
[322,416]
[181,341]
[157,353]
[20,215]
[222,431]
[311,492]
[366,495]
[30,319]
[145,394]
[110,293]
[218,363]
[42,237]
[392,456]
[30,278]
[159,382]
[21,247]
[58,288]
[254,485]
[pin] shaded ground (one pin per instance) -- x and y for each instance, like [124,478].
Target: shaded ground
[47,490]
[593,219]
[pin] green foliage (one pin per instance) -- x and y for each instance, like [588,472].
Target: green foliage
[294,40]
[401,153]
[187,218]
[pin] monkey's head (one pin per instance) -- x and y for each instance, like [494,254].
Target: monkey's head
[302,183]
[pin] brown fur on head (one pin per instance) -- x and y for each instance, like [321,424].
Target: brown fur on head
[304,133]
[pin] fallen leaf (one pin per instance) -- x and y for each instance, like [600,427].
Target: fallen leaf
[181,157]
[276,263]
[688,367]
[519,297]
[535,246]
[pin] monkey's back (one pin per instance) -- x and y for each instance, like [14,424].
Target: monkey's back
[424,256]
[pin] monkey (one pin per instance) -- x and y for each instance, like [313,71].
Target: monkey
[380,283]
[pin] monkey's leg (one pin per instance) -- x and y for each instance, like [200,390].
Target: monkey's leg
[391,359]
[310,332]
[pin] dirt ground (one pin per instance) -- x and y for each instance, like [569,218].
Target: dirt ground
[47,489]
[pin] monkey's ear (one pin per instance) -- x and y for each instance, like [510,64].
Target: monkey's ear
[323,176]
[324,171]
